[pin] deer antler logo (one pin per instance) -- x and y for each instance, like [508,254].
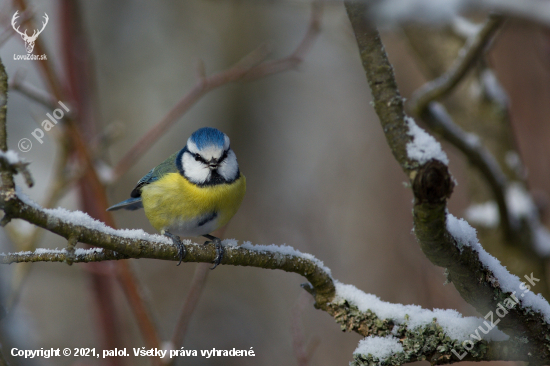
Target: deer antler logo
[29,40]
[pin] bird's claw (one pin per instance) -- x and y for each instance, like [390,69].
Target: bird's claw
[182,252]
[219,250]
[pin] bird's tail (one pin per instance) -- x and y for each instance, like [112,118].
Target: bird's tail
[130,204]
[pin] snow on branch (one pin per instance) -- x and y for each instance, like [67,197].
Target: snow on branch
[366,314]
[522,208]
[10,160]
[479,278]
[437,118]
[424,105]
[353,309]
[396,334]
[423,146]
[514,209]
[118,244]
[61,255]
[422,334]
[440,333]
[465,235]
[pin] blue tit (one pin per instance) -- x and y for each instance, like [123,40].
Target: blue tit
[192,193]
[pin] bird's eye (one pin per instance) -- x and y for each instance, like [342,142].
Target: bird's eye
[197,157]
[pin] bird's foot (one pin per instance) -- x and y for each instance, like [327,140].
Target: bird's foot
[182,252]
[219,249]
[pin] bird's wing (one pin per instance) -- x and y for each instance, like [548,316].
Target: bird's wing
[167,166]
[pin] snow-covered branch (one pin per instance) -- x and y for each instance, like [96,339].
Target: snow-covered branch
[396,334]
[10,161]
[118,244]
[423,334]
[501,169]
[437,118]
[61,255]
[423,105]
[448,242]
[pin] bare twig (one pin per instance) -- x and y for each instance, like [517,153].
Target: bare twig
[437,119]
[6,175]
[298,56]
[95,189]
[79,143]
[32,92]
[469,55]
[29,242]
[432,186]
[17,167]
[140,245]
[322,285]
[249,68]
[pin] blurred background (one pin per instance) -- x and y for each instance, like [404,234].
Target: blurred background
[320,175]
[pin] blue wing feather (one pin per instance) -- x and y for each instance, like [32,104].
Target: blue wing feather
[147,179]
[130,204]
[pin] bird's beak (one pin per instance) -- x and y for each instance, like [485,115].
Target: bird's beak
[213,164]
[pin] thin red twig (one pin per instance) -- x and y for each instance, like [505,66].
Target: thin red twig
[95,189]
[251,67]
[17,83]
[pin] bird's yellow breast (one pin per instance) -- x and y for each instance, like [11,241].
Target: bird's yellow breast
[173,199]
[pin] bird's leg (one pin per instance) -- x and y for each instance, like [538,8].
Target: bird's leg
[182,252]
[219,248]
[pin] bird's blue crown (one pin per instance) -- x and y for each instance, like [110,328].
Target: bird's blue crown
[208,136]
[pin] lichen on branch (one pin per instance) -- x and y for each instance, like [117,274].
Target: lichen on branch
[478,277]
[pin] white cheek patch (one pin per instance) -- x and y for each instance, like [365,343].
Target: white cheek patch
[194,170]
[229,167]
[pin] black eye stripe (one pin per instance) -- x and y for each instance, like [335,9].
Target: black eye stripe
[199,158]
[224,156]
